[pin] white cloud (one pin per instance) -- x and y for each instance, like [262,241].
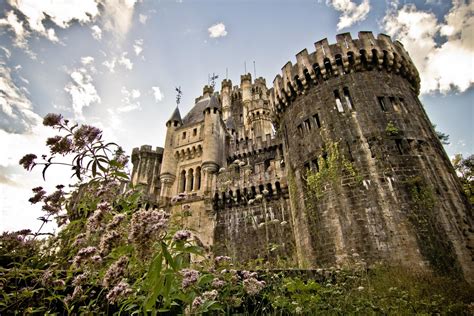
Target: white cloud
[142,18]
[442,65]
[138,46]
[82,90]
[157,94]
[351,12]
[17,27]
[122,60]
[125,61]
[61,13]
[130,100]
[16,110]
[96,32]
[217,30]
[117,16]
[87,60]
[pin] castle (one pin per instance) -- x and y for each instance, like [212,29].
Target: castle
[337,160]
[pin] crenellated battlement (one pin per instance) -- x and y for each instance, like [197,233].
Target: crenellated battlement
[249,147]
[347,55]
[145,150]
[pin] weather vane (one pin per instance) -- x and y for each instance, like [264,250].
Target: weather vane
[213,80]
[179,93]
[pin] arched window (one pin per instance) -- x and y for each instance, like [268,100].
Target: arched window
[190,180]
[277,186]
[197,179]
[182,181]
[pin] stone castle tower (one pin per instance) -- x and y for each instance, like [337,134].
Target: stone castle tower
[337,158]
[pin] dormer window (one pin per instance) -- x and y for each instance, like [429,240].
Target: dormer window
[195,131]
[184,135]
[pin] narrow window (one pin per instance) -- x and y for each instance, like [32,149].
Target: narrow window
[382,104]
[195,131]
[339,107]
[315,165]
[316,119]
[182,181]
[398,142]
[300,129]
[348,98]
[306,167]
[393,102]
[184,135]
[403,105]
[307,124]
[241,118]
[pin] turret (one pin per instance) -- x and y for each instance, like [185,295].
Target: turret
[226,90]
[246,86]
[168,169]
[212,148]
[207,91]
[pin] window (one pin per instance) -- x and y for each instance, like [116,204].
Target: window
[184,135]
[307,124]
[401,101]
[393,102]
[195,131]
[316,119]
[382,103]
[300,129]
[348,98]
[339,107]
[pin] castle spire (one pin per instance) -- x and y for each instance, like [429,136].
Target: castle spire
[176,116]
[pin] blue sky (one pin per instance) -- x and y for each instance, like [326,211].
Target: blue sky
[115,63]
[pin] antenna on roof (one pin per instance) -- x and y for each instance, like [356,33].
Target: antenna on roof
[213,80]
[179,93]
[226,73]
[245,67]
[254,70]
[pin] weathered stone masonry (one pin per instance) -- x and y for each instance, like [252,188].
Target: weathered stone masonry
[354,167]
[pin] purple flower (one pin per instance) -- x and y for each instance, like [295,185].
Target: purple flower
[52,120]
[253,286]
[210,295]
[86,134]
[115,272]
[220,259]
[181,235]
[190,277]
[84,254]
[120,291]
[39,194]
[217,283]
[28,161]
[50,209]
[107,241]
[198,301]
[59,145]
[248,275]
[116,220]
[147,226]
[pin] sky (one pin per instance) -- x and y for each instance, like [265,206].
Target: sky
[115,64]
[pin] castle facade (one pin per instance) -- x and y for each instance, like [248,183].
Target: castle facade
[337,161]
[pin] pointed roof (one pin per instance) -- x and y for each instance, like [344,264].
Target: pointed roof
[230,123]
[176,116]
[214,103]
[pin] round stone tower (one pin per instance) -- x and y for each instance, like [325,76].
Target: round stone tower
[168,168]
[368,178]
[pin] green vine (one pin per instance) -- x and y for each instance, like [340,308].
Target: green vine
[331,169]
[391,129]
[432,238]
